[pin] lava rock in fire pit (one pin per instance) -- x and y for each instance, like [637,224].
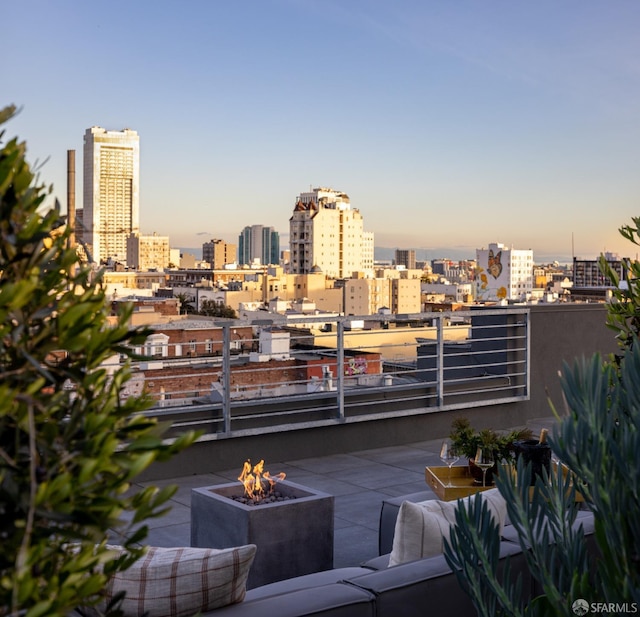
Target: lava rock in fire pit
[258,501]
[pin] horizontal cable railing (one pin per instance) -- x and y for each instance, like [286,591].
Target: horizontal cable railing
[281,374]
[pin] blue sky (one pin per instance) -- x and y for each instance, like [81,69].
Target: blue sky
[451,125]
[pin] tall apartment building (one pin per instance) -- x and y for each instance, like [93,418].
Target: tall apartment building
[504,274]
[146,253]
[259,243]
[111,191]
[406,258]
[219,253]
[326,233]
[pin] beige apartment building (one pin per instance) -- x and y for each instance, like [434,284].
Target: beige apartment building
[146,253]
[219,253]
[366,296]
[327,235]
[122,284]
[358,295]
[406,296]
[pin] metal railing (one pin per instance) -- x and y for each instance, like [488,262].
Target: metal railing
[311,371]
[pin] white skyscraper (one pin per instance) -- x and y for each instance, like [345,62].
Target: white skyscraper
[111,191]
[504,274]
[327,233]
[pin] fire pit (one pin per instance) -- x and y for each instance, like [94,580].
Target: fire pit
[291,525]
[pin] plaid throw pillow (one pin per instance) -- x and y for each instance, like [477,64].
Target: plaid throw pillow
[180,582]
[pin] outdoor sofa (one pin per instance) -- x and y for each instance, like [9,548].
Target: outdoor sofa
[425,586]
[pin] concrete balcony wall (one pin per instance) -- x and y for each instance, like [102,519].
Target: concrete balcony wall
[559,333]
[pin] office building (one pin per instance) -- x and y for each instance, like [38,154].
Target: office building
[406,258]
[260,245]
[219,253]
[327,234]
[111,192]
[504,274]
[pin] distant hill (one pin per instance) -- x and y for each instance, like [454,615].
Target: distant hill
[383,253]
[192,251]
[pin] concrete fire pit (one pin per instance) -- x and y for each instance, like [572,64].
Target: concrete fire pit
[294,537]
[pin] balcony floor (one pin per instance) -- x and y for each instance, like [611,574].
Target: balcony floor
[360,481]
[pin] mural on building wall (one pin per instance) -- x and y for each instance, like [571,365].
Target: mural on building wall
[490,265]
[355,366]
[493,264]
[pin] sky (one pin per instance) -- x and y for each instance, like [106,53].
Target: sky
[451,125]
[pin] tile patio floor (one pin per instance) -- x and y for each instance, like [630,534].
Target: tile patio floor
[360,481]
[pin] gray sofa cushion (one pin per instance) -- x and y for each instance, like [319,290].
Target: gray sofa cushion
[583,517]
[304,582]
[427,586]
[377,563]
[332,600]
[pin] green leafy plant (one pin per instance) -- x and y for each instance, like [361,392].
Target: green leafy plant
[467,439]
[213,308]
[623,313]
[597,440]
[70,443]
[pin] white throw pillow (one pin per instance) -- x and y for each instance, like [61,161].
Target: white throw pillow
[180,582]
[422,527]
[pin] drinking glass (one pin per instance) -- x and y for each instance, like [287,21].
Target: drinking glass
[556,465]
[449,456]
[484,460]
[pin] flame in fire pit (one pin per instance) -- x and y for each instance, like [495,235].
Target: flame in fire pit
[255,481]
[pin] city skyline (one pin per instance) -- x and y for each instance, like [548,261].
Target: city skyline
[448,125]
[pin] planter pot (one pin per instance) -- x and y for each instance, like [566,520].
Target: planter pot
[536,453]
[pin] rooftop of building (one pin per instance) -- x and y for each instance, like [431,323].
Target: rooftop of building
[360,481]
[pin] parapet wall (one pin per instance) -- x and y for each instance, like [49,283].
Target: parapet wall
[559,333]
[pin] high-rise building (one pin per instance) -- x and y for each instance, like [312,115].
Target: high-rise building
[504,274]
[406,258]
[259,243]
[219,253]
[111,191]
[326,233]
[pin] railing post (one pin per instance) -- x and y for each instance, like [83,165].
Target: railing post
[440,361]
[340,368]
[226,378]
[527,366]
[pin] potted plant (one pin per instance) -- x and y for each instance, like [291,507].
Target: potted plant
[467,440]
